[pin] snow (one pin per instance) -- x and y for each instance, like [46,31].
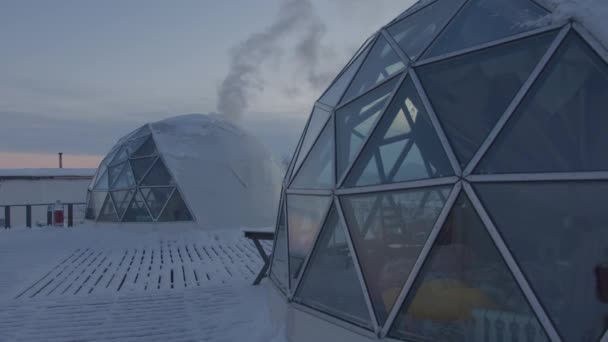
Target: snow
[591,14]
[227,177]
[89,284]
[46,173]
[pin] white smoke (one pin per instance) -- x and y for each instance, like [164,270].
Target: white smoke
[297,21]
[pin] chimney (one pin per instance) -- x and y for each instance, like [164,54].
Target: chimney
[61,160]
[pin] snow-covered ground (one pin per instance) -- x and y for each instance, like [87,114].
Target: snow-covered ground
[109,284]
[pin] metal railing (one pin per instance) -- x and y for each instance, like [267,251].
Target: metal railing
[68,209]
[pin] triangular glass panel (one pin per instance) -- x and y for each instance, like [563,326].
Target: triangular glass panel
[137,211]
[483,21]
[416,31]
[334,93]
[381,64]
[156,198]
[355,121]
[143,131]
[471,92]
[389,230]
[108,212]
[317,171]
[317,121]
[102,182]
[331,283]
[125,179]
[413,8]
[403,146]
[465,291]
[279,271]
[175,210]
[557,232]
[135,144]
[560,124]
[148,148]
[113,173]
[122,198]
[96,201]
[121,156]
[140,166]
[305,216]
[158,175]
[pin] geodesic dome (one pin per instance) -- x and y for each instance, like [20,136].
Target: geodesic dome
[187,168]
[448,185]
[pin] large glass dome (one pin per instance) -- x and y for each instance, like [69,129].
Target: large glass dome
[448,185]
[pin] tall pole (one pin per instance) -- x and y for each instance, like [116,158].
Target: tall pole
[60,160]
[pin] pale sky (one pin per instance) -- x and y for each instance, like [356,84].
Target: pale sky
[75,75]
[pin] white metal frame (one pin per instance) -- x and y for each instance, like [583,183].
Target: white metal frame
[463,176]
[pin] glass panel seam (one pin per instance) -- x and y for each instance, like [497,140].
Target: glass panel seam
[303,137]
[312,250]
[132,198]
[312,192]
[405,15]
[113,205]
[148,170]
[491,44]
[542,5]
[276,234]
[363,46]
[314,143]
[355,260]
[426,249]
[440,32]
[416,184]
[398,50]
[294,158]
[511,263]
[402,76]
[538,177]
[445,143]
[334,320]
[370,90]
[155,219]
[592,41]
[518,99]
[288,290]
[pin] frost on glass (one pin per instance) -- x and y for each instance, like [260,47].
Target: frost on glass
[158,175]
[146,149]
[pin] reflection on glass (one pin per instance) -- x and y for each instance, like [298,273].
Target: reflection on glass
[414,33]
[381,63]
[389,230]
[156,198]
[305,216]
[482,21]
[557,232]
[403,147]
[561,124]
[137,211]
[279,271]
[469,93]
[354,122]
[317,122]
[108,212]
[317,171]
[330,283]
[175,210]
[465,291]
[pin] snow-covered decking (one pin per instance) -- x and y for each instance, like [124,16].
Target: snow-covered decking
[131,285]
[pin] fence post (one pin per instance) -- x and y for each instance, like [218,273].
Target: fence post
[7,217]
[28,216]
[49,216]
[70,215]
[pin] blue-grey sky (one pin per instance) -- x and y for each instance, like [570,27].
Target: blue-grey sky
[75,75]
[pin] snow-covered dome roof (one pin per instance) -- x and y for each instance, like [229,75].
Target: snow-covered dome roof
[187,168]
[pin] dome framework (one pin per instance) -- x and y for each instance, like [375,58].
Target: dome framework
[133,184]
[448,183]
